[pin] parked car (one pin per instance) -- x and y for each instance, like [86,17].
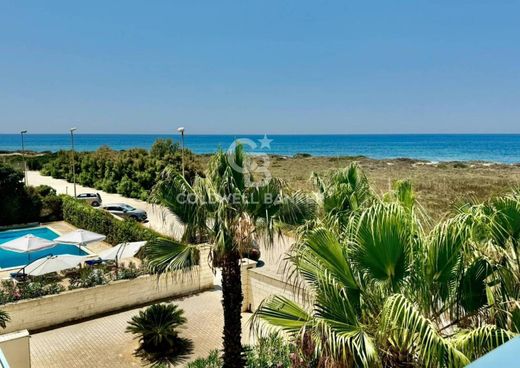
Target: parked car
[126,211]
[94,199]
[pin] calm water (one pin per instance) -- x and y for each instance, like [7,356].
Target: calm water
[486,147]
[10,259]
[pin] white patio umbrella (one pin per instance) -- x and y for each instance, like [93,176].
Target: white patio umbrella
[121,251]
[80,238]
[27,244]
[51,264]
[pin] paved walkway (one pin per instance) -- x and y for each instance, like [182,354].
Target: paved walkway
[102,342]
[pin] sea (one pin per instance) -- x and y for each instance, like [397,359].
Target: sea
[498,148]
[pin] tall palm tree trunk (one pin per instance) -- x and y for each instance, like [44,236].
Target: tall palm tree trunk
[232,303]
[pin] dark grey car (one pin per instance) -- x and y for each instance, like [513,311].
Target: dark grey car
[126,211]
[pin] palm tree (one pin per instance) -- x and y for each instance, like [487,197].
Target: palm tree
[341,194]
[386,294]
[4,318]
[225,210]
[156,328]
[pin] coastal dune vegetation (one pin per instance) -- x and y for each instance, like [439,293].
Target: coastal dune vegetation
[388,292]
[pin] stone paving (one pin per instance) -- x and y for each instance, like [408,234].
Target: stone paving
[102,342]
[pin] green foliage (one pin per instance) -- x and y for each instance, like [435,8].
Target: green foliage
[345,192]
[212,361]
[21,204]
[18,205]
[384,293]
[38,287]
[4,318]
[88,277]
[86,217]
[129,272]
[156,327]
[269,352]
[131,173]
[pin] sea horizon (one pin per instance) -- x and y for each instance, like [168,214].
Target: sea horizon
[498,147]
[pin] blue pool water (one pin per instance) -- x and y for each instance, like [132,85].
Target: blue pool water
[9,259]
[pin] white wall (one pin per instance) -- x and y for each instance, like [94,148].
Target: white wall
[261,284]
[16,349]
[52,310]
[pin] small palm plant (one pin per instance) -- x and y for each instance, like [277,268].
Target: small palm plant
[4,318]
[156,327]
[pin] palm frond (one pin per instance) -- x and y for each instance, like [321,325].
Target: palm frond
[165,256]
[342,335]
[382,241]
[321,255]
[410,331]
[444,259]
[279,314]
[4,318]
[479,341]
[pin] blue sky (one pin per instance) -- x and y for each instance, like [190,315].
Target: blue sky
[273,67]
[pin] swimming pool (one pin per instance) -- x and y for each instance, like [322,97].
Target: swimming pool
[10,259]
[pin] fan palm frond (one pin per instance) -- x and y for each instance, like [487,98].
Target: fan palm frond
[382,241]
[479,341]
[4,318]
[411,331]
[166,256]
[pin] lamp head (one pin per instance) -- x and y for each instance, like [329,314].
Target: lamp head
[73,129]
[180,129]
[23,132]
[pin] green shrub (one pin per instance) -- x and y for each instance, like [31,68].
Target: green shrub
[131,173]
[21,204]
[11,292]
[129,272]
[81,215]
[269,352]
[88,277]
[212,361]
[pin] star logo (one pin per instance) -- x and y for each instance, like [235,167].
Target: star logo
[265,142]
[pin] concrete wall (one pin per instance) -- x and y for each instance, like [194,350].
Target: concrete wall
[52,310]
[16,349]
[259,284]
[246,266]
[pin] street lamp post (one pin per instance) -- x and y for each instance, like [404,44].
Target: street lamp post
[23,158]
[181,130]
[73,159]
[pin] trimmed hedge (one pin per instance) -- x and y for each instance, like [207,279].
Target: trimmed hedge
[83,216]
